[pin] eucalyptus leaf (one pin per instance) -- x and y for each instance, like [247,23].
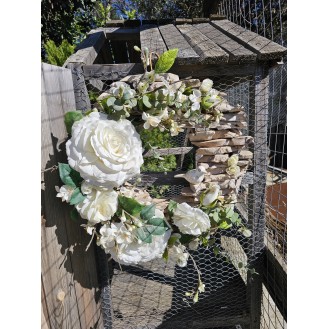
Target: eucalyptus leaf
[144,235]
[70,118]
[166,61]
[156,226]
[76,197]
[65,174]
[172,206]
[148,212]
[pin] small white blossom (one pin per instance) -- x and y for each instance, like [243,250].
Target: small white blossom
[206,85]
[150,120]
[175,129]
[211,195]
[123,236]
[177,254]
[108,234]
[195,98]
[64,192]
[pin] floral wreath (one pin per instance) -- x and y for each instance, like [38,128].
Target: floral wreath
[105,154]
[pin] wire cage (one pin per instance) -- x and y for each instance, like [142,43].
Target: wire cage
[153,295]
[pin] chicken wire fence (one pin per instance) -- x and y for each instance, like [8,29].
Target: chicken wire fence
[269,19]
[152,295]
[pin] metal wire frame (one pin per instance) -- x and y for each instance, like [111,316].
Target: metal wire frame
[268,18]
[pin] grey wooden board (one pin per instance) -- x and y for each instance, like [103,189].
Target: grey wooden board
[236,51]
[151,38]
[64,267]
[168,151]
[174,39]
[208,51]
[88,49]
[264,48]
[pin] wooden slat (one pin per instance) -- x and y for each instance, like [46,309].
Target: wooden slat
[169,151]
[237,52]
[174,39]
[208,51]
[88,49]
[112,71]
[151,38]
[66,268]
[264,48]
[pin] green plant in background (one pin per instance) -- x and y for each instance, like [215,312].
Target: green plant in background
[102,12]
[131,14]
[155,137]
[57,55]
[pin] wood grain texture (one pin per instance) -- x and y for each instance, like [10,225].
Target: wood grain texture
[88,49]
[237,52]
[151,38]
[264,48]
[69,274]
[174,39]
[208,51]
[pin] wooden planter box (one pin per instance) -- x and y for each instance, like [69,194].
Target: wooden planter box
[152,296]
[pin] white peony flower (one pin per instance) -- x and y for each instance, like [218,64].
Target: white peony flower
[98,206]
[64,192]
[177,254]
[106,153]
[211,195]
[150,120]
[190,220]
[195,98]
[206,85]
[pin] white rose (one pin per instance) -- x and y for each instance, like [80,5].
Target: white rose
[106,153]
[98,206]
[140,252]
[206,85]
[177,254]
[64,192]
[190,220]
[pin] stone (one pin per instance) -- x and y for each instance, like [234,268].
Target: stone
[245,154]
[201,136]
[214,158]
[217,150]
[242,163]
[212,143]
[198,187]
[217,178]
[228,117]
[226,133]
[215,170]
[193,83]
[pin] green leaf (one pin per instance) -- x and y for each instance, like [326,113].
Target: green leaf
[165,255]
[148,212]
[172,240]
[131,206]
[76,197]
[70,118]
[216,250]
[166,61]
[74,215]
[224,225]
[65,174]
[146,101]
[68,175]
[144,235]
[156,226]
[172,206]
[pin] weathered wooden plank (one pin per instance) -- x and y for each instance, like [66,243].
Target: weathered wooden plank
[88,49]
[168,151]
[208,51]
[115,22]
[197,20]
[237,52]
[112,71]
[151,38]
[174,39]
[264,48]
[69,274]
[180,21]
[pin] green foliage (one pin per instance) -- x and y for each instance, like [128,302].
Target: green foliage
[68,175]
[131,14]
[70,118]
[160,139]
[131,206]
[166,61]
[58,55]
[76,197]
[152,226]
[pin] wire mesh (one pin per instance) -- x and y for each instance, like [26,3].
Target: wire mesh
[269,19]
[153,295]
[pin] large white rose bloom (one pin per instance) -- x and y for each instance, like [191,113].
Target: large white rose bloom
[106,153]
[98,206]
[140,252]
[190,220]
